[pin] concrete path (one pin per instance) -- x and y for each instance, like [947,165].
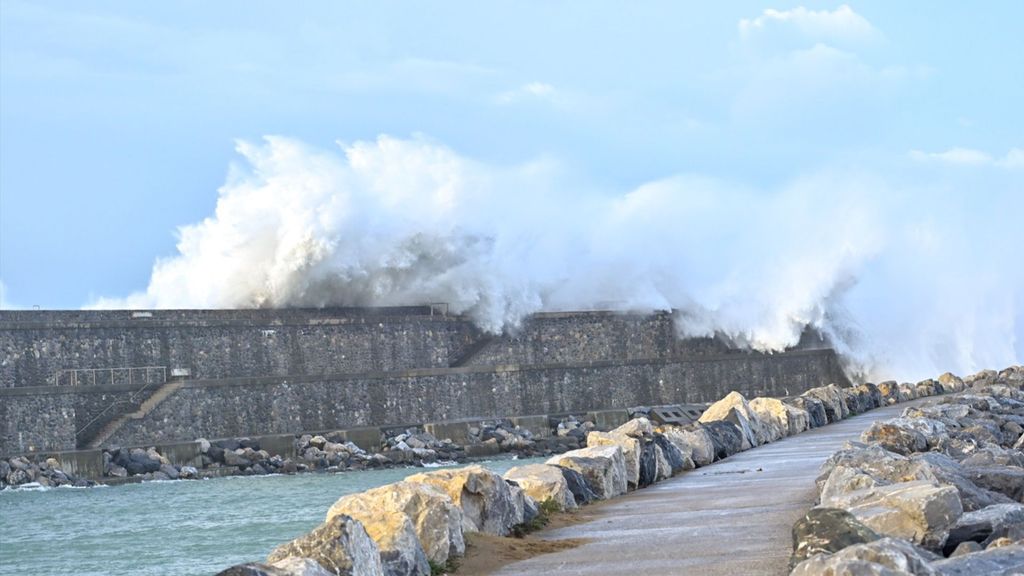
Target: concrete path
[732,517]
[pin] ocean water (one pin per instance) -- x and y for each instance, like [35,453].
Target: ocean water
[187,527]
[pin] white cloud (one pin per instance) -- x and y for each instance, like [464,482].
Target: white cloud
[841,24]
[531,91]
[959,156]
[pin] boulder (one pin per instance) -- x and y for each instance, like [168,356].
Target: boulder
[951,382]
[340,545]
[832,399]
[945,470]
[648,464]
[908,391]
[918,511]
[827,530]
[675,459]
[603,467]
[577,484]
[1002,561]
[781,419]
[543,482]
[287,567]
[295,566]
[485,498]
[663,465]
[631,448]
[636,428]
[882,557]
[1006,480]
[983,526]
[871,395]
[386,511]
[890,392]
[734,408]
[895,437]
[694,441]
[815,408]
[726,438]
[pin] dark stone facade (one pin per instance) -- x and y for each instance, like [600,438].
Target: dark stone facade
[219,409]
[285,371]
[226,343]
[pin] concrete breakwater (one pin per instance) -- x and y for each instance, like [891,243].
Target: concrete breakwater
[399,538]
[936,491]
[86,380]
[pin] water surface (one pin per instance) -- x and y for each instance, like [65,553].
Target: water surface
[183,528]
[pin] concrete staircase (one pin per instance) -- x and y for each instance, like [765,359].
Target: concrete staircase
[473,350]
[162,393]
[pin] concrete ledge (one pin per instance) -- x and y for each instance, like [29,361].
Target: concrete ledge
[608,419]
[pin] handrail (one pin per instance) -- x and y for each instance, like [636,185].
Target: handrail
[131,400]
[73,373]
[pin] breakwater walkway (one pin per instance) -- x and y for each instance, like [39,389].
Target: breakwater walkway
[731,517]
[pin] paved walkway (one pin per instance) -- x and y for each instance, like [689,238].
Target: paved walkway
[732,517]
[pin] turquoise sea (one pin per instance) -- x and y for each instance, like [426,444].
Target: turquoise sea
[186,527]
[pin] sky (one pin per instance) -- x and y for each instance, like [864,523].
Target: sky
[752,163]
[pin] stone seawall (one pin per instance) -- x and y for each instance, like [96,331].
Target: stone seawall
[36,345]
[241,407]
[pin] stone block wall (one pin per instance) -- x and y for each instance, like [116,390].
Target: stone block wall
[226,408]
[227,343]
[36,422]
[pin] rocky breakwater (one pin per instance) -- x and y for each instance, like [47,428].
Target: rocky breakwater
[937,491]
[421,525]
[25,472]
[334,452]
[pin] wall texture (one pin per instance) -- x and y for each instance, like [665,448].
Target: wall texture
[34,346]
[590,336]
[284,371]
[225,408]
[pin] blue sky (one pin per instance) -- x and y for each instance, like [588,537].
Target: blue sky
[119,120]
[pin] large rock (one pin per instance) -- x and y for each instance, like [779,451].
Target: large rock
[726,438]
[952,382]
[1003,561]
[890,392]
[636,428]
[543,482]
[734,408]
[895,437]
[1006,480]
[648,464]
[827,530]
[631,448]
[858,467]
[341,545]
[945,470]
[676,459]
[435,521]
[603,467]
[485,498]
[983,526]
[918,511]
[293,566]
[815,408]
[694,441]
[833,399]
[882,557]
[782,419]
[577,484]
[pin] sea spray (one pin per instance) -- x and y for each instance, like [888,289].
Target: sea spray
[902,280]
